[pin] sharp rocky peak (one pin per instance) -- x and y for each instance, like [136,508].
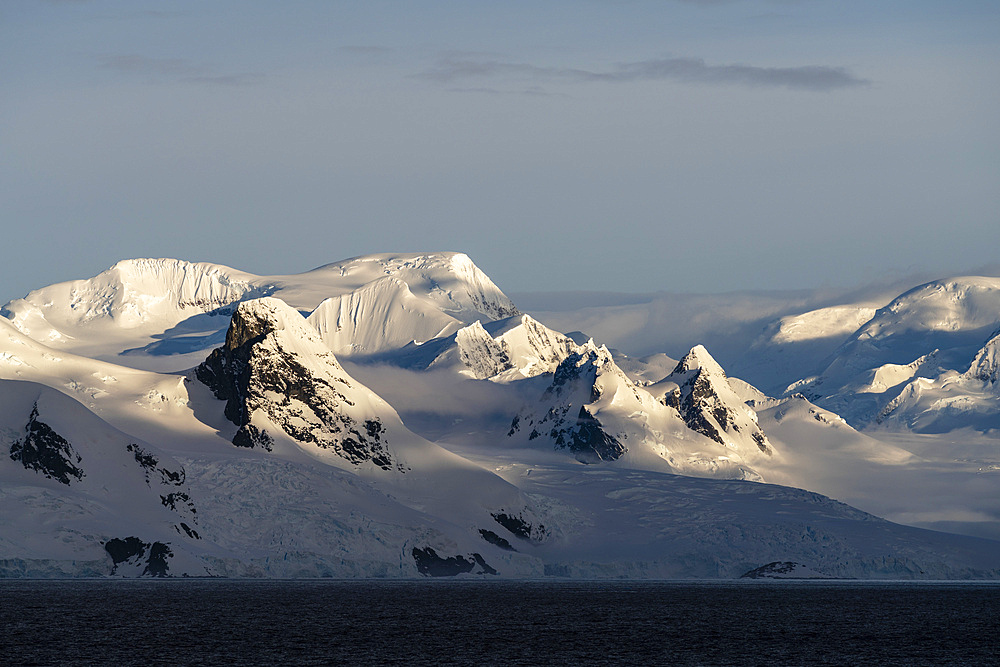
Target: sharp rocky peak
[510,349]
[567,415]
[275,374]
[986,364]
[698,358]
[700,392]
[483,355]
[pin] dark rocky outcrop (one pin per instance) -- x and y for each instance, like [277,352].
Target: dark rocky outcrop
[151,465]
[575,381]
[133,551]
[783,570]
[254,372]
[707,404]
[175,496]
[695,400]
[430,564]
[45,451]
[516,525]
[590,441]
[496,540]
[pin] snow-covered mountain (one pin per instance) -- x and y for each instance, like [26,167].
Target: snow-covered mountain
[71,483]
[168,418]
[278,378]
[395,300]
[163,314]
[592,409]
[699,391]
[504,350]
[917,360]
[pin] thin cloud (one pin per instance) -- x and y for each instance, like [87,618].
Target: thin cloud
[174,69]
[247,79]
[365,50]
[135,64]
[158,14]
[532,91]
[694,70]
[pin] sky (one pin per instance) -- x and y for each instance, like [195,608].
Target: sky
[618,145]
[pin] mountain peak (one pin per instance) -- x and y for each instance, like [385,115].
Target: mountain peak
[133,293]
[259,318]
[699,359]
[700,392]
[277,377]
[986,364]
[451,280]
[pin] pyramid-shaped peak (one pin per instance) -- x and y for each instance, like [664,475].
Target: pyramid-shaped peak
[699,359]
[474,329]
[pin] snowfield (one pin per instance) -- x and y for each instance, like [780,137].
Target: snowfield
[397,415]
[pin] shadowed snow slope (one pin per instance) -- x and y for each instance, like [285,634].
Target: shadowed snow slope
[922,354]
[70,483]
[168,418]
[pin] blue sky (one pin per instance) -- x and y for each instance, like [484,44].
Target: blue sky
[588,145]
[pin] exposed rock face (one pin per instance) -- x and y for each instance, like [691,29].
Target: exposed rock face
[274,368]
[576,429]
[699,390]
[430,564]
[171,486]
[133,551]
[536,349]
[495,539]
[517,525]
[986,364]
[481,353]
[46,452]
[501,351]
[593,409]
[783,570]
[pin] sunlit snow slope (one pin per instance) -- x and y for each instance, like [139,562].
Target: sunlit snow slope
[395,415]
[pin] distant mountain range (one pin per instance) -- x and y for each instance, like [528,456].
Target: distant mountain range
[397,415]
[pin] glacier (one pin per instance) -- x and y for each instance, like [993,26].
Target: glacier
[397,415]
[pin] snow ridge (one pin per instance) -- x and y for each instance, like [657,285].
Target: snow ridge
[134,292]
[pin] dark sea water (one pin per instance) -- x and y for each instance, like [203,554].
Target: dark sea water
[213,622]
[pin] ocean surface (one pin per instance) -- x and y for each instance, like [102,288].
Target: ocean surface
[213,622]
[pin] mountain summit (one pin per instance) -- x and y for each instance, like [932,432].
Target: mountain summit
[395,415]
[277,376]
